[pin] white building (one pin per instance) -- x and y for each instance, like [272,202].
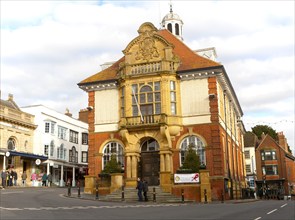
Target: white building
[251,142]
[64,140]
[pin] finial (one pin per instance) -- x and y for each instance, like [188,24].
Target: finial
[171,7]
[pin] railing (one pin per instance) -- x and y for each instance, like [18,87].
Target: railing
[144,120]
[151,67]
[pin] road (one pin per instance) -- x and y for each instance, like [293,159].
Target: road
[50,203]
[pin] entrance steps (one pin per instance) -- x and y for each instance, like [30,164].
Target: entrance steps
[130,195]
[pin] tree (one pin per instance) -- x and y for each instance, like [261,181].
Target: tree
[112,166]
[191,160]
[259,129]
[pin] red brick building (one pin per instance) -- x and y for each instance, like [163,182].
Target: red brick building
[275,166]
[161,96]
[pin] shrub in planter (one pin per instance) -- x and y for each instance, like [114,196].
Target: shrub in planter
[112,166]
[191,160]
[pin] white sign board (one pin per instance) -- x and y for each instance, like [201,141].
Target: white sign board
[186,178]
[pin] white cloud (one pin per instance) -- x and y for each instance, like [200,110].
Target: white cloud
[47,47]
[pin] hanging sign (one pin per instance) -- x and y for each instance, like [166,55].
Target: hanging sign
[38,162]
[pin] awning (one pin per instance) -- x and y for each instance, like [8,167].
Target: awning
[28,155]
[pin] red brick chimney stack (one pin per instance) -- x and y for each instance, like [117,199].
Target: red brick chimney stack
[282,141]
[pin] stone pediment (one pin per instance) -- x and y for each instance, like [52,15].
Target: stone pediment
[149,48]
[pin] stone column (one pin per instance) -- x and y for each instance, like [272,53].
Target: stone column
[162,162]
[134,167]
[167,162]
[73,180]
[128,167]
[61,182]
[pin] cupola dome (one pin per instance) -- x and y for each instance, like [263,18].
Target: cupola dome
[173,23]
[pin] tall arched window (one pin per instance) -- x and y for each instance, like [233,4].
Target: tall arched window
[198,146]
[113,148]
[169,27]
[147,98]
[177,29]
[11,144]
[73,155]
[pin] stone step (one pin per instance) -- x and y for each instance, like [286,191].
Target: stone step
[130,195]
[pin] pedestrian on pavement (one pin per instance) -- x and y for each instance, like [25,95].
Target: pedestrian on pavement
[14,176]
[34,178]
[145,190]
[3,177]
[24,178]
[10,177]
[139,188]
[49,179]
[44,179]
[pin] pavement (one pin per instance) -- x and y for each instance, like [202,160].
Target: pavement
[74,195]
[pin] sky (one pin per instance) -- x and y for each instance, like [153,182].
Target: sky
[47,47]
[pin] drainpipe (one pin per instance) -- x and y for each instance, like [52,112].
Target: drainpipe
[226,144]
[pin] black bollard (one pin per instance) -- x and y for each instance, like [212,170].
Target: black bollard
[222,197]
[205,195]
[69,189]
[154,194]
[79,191]
[96,190]
[123,193]
[182,195]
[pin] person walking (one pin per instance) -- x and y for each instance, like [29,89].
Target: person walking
[10,177]
[34,178]
[145,190]
[44,179]
[139,188]
[49,179]
[3,177]
[14,176]
[24,178]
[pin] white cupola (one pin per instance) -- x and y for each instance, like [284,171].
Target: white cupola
[173,23]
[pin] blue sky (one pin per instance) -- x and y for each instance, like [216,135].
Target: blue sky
[47,47]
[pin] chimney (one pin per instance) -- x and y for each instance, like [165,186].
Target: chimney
[68,113]
[10,97]
[282,141]
[83,115]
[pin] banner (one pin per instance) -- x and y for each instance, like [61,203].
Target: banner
[186,178]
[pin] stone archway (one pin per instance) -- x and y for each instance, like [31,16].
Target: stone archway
[149,166]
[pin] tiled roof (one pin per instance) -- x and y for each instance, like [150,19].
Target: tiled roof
[189,60]
[107,74]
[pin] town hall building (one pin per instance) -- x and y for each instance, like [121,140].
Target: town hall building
[160,97]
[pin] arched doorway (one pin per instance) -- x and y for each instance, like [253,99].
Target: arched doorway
[149,166]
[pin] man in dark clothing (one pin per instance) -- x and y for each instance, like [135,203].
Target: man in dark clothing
[145,190]
[139,188]
[4,177]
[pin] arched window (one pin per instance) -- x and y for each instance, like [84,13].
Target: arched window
[11,144]
[177,29]
[169,26]
[149,145]
[113,148]
[147,98]
[51,148]
[73,155]
[198,146]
